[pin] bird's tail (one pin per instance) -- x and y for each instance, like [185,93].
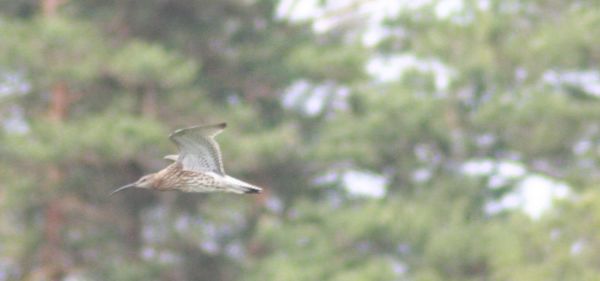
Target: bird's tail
[237,186]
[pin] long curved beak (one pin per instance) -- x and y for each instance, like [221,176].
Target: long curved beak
[121,188]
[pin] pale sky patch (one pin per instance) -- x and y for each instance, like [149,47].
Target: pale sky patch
[511,169]
[478,167]
[362,183]
[577,247]
[13,84]
[315,102]
[588,81]
[15,121]
[538,192]
[533,193]
[311,98]
[421,175]
[391,68]
[295,10]
[447,7]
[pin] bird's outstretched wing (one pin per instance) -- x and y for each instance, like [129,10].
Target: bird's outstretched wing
[171,157]
[198,151]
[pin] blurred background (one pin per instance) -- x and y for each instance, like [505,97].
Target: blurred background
[396,140]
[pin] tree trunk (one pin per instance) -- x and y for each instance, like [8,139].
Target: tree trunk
[49,7]
[52,254]
[59,102]
[150,102]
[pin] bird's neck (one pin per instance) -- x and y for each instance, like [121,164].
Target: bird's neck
[164,178]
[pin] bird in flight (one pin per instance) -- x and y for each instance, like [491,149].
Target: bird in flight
[197,168]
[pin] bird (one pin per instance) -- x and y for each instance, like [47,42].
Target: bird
[197,168]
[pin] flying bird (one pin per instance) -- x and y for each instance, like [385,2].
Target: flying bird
[197,168]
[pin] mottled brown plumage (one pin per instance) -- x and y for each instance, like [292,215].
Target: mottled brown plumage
[197,168]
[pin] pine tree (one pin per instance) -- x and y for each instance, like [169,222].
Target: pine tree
[89,91]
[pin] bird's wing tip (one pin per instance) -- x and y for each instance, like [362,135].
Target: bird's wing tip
[218,126]
[175,133]
[171,157]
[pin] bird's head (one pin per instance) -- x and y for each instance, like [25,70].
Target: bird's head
[144,182]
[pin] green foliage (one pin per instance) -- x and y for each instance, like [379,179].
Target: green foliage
[341,63]
[73,49]
[90,91]
[140,64]
[103,137]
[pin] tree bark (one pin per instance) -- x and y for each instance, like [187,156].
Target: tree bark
[52,254]
[150,102]
[49,7]
[59,102]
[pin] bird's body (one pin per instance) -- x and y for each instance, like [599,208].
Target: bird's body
[197,168]
[174,177]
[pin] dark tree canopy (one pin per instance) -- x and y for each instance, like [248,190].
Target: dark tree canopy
[446,140]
